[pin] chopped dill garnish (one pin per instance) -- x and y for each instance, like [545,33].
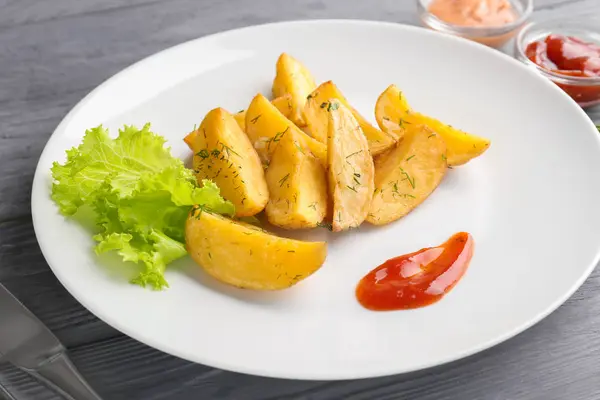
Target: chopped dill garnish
[408,177]
[353,154]
[228,150]
[402,121]
[203,154]
[282,180]
[277,137]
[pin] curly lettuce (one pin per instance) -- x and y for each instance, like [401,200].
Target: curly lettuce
[140,195]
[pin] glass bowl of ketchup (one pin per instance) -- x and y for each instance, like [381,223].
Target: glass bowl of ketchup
[490,22]
[568,53]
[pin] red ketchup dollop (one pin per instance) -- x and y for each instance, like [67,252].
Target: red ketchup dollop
[570,56]
[417,279]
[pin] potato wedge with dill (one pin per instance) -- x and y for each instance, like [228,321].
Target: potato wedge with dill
[351,170]
[393,115]
[293,78]
[226,156]
[283,104]
[316,113]
[190,138]
[266,125]
[297,185]
[406,175]
[248,257]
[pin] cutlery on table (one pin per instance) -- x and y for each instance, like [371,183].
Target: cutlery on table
[28,344]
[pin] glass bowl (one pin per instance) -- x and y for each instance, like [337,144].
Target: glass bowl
[493,36]
[584,90]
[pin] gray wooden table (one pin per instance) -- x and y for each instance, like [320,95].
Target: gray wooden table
[53,52]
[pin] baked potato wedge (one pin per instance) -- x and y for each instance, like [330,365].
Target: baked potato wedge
[393,115]
[297,185]
[226,156]
[190,138]
[316,114]
[406,175]
[248,257]
[266,125]
[351,170]
[293,78]
[283,104]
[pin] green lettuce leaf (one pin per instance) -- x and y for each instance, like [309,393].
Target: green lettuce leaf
[140,195]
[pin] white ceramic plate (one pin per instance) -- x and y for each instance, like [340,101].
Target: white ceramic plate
[531,203]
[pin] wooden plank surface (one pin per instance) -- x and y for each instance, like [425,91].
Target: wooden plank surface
[52,53]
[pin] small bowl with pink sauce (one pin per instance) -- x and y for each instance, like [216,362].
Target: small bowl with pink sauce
[489,22]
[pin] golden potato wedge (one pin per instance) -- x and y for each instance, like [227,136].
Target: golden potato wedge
[351,170]
[226,156]
[393,114]
[388,112]
[283,104]
[266,125]
[316,113]
[248,257]
[406,175]
[291,77]
[190,138]
[297,186]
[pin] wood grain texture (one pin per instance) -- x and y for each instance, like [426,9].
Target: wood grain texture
[52,53]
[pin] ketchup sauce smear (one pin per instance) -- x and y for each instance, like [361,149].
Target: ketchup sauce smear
[417,279]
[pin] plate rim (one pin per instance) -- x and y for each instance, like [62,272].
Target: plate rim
[37,192]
